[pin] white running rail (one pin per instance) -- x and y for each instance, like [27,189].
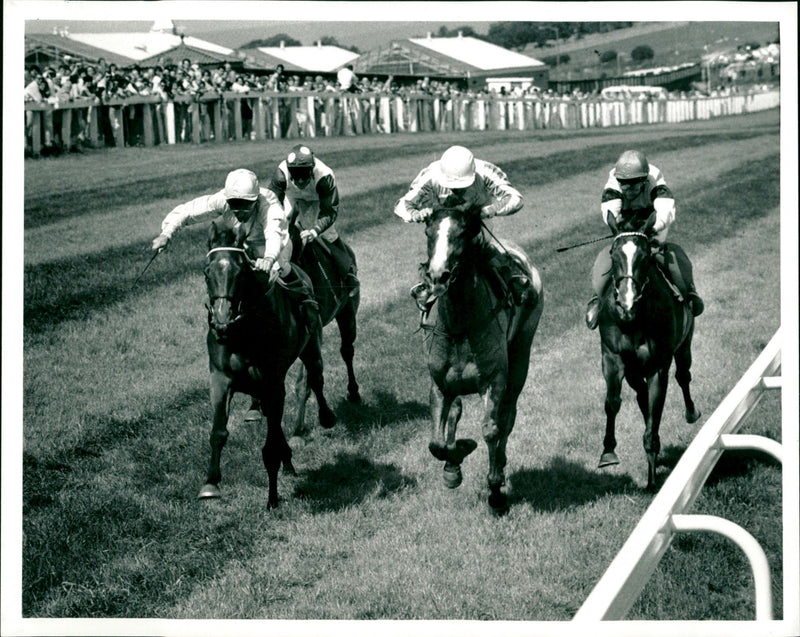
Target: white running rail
[630,570]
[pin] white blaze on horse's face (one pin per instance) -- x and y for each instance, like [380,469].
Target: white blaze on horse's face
[627,296]
[438,262]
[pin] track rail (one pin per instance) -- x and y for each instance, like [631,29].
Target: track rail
[667,515]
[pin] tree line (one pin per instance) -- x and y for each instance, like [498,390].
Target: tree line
[510,35]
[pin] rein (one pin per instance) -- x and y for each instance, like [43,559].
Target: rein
[231,249]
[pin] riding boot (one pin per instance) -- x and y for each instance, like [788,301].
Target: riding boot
[301,292]
[517,283]
[593,312]
[679,269]
[696,302]
[346,265]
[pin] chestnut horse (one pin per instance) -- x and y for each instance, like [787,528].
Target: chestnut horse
[480,343]
[642,328]
[253,338]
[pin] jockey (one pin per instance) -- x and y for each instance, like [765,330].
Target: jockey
[458,180]
[306,187]
[242,203]
[634,190]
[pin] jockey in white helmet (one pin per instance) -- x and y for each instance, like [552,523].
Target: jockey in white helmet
[458,180]
[306,187]
[242,203]
[635,189]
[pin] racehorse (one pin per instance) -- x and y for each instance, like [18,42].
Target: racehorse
[642,328]
[480,343]
[335,302]
[253,338]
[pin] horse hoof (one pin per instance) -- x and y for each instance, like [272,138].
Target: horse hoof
[693,416]
[608,459]
[209,491]
[327,419]
[354,397]
[252,415]
[272,504]
[452,476]
[498,501]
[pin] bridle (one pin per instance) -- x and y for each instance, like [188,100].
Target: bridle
[236,309]
[617,280]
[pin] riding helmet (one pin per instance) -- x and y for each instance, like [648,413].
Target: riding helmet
[241,184]
[457,167]
[632,164]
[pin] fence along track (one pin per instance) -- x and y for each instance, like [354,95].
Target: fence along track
[623,581]
[225,117]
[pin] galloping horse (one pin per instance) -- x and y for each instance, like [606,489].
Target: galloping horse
[480,343]
[253,338]
[642,328]
[335,302]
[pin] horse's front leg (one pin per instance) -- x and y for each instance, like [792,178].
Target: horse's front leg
[656,396]
[302,392]
[275,449]
[445,413]
[613,371]
[346,320]
[221,396]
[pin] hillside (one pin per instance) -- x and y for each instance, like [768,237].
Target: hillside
[672,43]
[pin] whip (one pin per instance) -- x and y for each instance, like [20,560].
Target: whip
[584,243]
[155,254]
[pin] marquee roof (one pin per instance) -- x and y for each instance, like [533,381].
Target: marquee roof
[446,57]
[320,59]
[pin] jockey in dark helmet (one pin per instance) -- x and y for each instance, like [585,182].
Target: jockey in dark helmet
[306,187]
[243,203]
[635,189]
[458,180]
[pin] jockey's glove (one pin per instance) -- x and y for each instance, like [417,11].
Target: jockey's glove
[306,236]
[421,215]
[160,243]
[263,265]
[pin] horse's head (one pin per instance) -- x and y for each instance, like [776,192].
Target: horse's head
[225,271]
[450,232]
[630,262]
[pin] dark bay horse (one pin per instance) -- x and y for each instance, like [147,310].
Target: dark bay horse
[336,301]
[253,338]
[642,328]
[480,343]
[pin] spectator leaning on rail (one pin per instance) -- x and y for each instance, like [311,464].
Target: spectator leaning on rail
[242,203]
[459,181]
[634,190]
[306,187]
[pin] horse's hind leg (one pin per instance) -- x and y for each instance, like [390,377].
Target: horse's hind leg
[613,373]
[312,359]
[346,320]
[221,396]
[683,374]
[275,450]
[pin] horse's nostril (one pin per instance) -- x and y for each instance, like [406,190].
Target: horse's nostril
[445,277]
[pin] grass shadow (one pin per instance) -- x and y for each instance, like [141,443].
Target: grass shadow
[383,410]
[348,480]
[735,463]
[564,484]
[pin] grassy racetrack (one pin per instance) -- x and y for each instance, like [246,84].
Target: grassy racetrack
[116,414]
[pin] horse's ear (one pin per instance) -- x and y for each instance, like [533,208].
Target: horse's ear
[241,235]
[212,234]
[612,223]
